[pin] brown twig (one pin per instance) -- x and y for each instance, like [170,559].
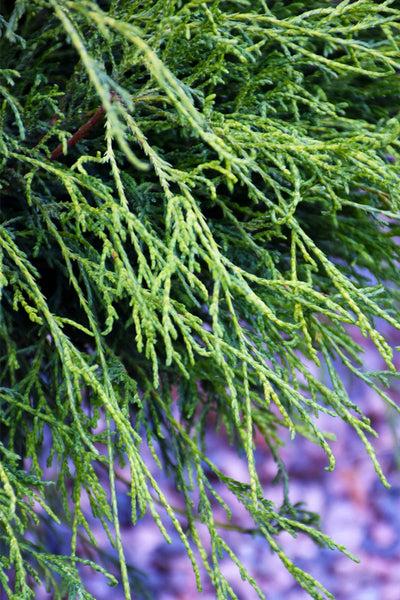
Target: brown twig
[382,195]
[74,139]
[80,133]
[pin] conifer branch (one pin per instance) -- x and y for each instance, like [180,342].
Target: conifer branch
[200,263]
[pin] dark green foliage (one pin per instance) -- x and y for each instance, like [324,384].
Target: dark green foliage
[198,199]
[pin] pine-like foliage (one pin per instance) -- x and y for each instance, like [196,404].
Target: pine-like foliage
[199,201]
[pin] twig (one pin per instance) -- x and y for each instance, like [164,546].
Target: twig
[74,139]
[80,133]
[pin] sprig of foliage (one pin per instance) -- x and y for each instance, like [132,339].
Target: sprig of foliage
[198,199]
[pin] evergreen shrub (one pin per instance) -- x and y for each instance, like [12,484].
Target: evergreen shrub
[199,201]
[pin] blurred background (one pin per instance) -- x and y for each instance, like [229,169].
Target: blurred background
[356,510]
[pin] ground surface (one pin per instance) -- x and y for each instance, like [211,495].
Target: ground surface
[356,510]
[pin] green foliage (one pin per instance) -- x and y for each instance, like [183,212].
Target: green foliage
[198,199]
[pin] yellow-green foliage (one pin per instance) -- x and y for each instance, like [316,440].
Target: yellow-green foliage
[199,196]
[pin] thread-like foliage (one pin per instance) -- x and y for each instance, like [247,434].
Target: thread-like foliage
[198,198]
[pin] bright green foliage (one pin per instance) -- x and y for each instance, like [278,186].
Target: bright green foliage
[226,211]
